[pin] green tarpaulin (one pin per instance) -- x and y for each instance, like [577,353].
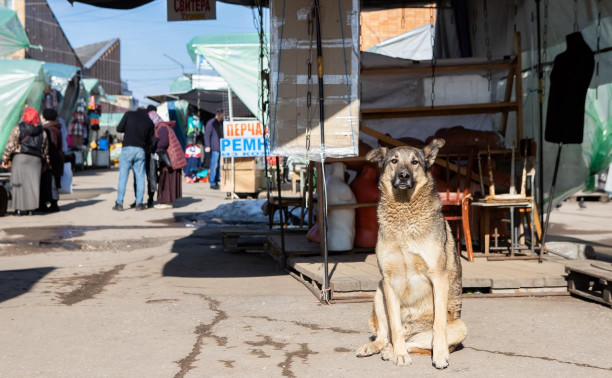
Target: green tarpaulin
[12,35]
[21,83]
[65,80]
[236,58]
[181,85]
[597,144]
[93,87]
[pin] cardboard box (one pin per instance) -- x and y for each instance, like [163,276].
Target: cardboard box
[247,181]
[294,127]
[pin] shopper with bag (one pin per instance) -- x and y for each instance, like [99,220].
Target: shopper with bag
[28,151]
[171,161]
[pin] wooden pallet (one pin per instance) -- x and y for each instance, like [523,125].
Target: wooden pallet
[591,280]
[241,239]
[590,196]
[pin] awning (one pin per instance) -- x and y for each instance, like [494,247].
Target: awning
[65,80]
[21,83]
[236,58]
[93,87]
[13,37]
[367,4]
[209,100]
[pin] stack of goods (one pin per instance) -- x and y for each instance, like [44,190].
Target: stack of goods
[194,171]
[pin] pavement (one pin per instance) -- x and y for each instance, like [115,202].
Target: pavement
[89,292]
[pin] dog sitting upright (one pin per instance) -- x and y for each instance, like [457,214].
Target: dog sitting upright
[417,307]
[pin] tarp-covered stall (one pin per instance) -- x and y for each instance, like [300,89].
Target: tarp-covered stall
[21,83]
[295,114]
[236,58]
[13,36]
[65,80]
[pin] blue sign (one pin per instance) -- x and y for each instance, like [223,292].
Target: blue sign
[243,147]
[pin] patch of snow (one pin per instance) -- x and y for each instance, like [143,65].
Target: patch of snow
[247,211]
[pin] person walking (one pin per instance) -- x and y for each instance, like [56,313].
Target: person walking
[50,179]
[150,170]
[137,129]
[169,150]
[28,151]
[212,136]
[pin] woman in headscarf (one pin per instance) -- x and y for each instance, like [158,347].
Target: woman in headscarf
[28,151]
[50,180]
[171,162]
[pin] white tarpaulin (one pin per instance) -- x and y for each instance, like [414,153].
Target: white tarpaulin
[415,44]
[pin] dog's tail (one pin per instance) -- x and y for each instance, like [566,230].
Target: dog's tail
[374,322]
[421,343]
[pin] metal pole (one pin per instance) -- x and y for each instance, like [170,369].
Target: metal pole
[177,62]
[230,106]
[263,109]
[550,200]
[280,205]
[540,194]
[323,195]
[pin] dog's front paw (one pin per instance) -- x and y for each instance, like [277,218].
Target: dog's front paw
[402,359]
[387,353]
[440,360]
[370,348]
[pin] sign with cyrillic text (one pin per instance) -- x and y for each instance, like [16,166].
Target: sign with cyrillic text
[243,147]
[242,129]
[192,10]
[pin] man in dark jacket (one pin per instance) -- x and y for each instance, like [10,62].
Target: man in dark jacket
[137,129]
[212,136]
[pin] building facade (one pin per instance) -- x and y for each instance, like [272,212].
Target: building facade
[377,26]
[102,60]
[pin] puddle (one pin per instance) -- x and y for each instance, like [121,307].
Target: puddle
[45,239]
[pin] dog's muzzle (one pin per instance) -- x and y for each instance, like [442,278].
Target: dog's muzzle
[403,180]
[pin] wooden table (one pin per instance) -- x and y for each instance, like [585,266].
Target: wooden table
[526,203]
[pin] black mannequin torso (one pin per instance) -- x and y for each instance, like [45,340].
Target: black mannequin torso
[569,82]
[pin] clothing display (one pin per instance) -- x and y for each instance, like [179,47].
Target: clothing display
[569,82]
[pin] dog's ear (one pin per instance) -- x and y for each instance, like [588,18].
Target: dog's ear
[431,151]
[377,155]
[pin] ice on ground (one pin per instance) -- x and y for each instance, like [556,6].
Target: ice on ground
[247,211]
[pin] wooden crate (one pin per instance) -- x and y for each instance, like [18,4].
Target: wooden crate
[591,280]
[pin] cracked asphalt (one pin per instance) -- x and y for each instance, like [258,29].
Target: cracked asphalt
[154,298]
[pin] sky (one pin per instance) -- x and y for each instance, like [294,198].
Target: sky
[146,36]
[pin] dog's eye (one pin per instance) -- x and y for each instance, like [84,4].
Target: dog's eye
[394,161]
[415,162]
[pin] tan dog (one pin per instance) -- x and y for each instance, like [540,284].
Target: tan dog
[417,307]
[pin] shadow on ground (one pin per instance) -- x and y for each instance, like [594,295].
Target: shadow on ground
[201,255]
[185,201]
[77,204]
[14,283]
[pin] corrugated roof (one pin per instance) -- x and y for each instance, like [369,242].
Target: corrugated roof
[89,54]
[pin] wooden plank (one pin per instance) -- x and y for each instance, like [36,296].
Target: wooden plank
[442,110]
[398,143]
[507,98]
[295,244]
[346,159]
[438,69]
[519,87]
[352,206]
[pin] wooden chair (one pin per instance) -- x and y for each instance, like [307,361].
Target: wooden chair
[453,174]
